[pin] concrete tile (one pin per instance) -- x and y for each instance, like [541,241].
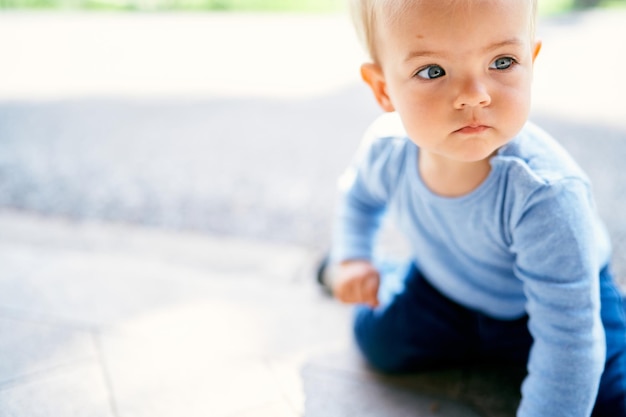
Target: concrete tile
[333,394]
[223,254]
[213,392]
[344,360]
[30,348]
[99,275]
[152,384]
[287,374]
[495,391]
[197,360]
[491,391]
[295,318]
[342,356]
[92,288]
[78,391]
[229,353]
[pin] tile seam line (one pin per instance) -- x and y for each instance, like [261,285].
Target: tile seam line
[106,374]
[41,374]
[281,392]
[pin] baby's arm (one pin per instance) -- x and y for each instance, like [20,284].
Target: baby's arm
[366,188]
[557,258]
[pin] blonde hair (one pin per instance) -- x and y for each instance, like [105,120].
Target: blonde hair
[366,15]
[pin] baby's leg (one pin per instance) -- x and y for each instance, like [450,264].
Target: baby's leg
[504,342]
[611,401]
[416,329]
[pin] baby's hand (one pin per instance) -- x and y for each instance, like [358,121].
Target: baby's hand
[356,281]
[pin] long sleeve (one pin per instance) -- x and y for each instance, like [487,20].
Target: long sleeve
[553,240]
[365,190]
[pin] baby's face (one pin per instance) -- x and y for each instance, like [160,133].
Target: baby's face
[459,73]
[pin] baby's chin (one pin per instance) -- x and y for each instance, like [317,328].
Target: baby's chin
[476,152]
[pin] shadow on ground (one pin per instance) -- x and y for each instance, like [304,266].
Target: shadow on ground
[338,384]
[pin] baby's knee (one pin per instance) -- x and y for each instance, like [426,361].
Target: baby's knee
[377,343]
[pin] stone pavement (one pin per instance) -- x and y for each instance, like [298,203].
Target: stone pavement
[119,321]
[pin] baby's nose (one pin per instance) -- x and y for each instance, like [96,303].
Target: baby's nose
[472,93]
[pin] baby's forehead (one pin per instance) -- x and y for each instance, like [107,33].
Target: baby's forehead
[387,13]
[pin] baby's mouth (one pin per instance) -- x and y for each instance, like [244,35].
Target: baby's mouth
[472,129]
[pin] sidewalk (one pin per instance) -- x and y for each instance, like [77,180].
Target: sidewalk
[119,321]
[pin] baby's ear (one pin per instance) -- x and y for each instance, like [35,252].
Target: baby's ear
[536,49]
[373,75]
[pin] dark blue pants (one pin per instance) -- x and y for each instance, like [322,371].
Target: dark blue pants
[417,328]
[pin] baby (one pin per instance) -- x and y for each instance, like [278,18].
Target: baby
[509,260]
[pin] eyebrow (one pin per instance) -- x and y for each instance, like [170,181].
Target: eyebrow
[508,42]
[419,54]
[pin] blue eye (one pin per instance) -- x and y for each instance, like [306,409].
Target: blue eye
[502,63]
[431,72]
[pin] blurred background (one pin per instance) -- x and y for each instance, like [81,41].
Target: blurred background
[167,180]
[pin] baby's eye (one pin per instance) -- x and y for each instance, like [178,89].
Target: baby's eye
[431,72]
[502,63]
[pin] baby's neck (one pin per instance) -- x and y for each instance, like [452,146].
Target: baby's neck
[449,178]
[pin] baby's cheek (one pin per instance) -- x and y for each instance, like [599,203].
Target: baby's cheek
[515,107]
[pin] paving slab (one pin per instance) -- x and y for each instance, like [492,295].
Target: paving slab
[79,391]
[332,395]
[93,274]
[176,323]
[227,355]
[475,390]
[29,348]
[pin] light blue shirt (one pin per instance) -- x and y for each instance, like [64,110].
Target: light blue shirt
[528,240]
